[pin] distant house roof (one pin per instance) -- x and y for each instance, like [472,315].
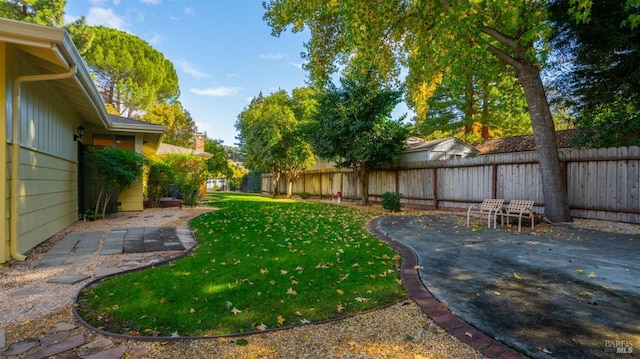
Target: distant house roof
[522,143]
[166,149]
[418,144]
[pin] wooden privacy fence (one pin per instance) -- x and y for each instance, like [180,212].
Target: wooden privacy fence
[601,183]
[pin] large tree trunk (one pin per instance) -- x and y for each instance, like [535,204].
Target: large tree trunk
[556,206]
[290,186]
[554,191]
[363,175]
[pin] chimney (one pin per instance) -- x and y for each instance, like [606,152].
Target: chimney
[199,142]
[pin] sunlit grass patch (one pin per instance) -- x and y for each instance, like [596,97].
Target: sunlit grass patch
[262,263]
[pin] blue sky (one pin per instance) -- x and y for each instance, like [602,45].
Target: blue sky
[222,50]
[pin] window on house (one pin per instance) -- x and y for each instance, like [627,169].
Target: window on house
[120,141]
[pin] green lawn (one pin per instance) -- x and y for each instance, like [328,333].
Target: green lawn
[261,263]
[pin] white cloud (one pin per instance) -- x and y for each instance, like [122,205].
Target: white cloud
[295,64]
[191,69]
[116,2]
[156,39]
[232,75]
[271,56]
[106,17]
[151,2]
[190,10]
[220,91]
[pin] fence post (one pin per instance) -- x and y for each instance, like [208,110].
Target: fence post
[435,188]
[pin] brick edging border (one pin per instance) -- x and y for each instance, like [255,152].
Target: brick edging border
[438,312]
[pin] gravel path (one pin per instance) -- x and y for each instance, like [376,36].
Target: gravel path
[30,307]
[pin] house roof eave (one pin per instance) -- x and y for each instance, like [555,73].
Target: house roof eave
[54,46]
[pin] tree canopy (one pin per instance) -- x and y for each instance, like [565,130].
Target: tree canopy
[270,132]
[218,165]
[129,73]
[353,126]
[43,12]
[430,38]
[598,74]
[180,125]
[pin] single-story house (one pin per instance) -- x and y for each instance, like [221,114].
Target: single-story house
[442,149]
[51,113]
[418,149]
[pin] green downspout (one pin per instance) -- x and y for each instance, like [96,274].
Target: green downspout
[15,150]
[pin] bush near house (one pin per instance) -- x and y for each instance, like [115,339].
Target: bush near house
[159,177]
[116,169]
[186,171]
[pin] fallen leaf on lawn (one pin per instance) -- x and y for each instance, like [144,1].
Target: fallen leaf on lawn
[592,275]
[362,300]
[340,291]
[291,291]
[264,271]
[192,310]
[235,311]
[579,271]
[281,320]
[175,334]
[283,272]
[418,267]
[585,293]
[229,304]
[544,350]
[261,327]
[517,276]
[304,321]
[339,308]
[496,293]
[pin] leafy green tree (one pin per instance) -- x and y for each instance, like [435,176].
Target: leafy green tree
[486,110]
[599,76]
[81,34]
[237,174]
[44,12]
[180,125]
[129,73]
[273,141]
[353,126]
[116,169]
[218,165]
[428,37]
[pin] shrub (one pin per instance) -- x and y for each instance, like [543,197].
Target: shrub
[391,201]
[305,195]
[158,179]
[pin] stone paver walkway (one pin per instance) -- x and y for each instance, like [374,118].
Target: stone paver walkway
[142,245]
